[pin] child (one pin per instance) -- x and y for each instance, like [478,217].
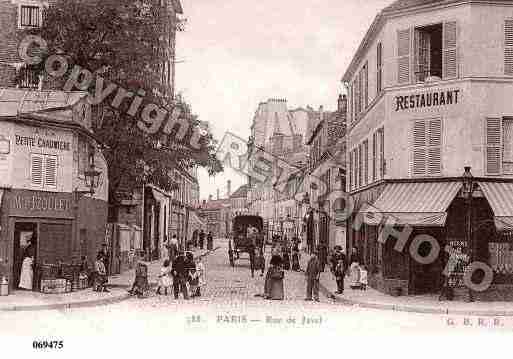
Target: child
[164,277]
[194,282]
[355,275]
[141,284]
[100,281]
[200,270]
[295,258]
[363,278]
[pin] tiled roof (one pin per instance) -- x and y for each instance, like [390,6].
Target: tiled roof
[215,204]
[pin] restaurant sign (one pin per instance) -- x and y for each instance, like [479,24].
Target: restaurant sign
[42,143]
[428,99]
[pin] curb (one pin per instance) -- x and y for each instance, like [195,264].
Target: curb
[82,304]
[412,309]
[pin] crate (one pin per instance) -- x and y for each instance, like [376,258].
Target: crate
[53,286]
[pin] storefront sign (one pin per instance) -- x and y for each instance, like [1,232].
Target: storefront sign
[44,204]
[42,143]
[430,99]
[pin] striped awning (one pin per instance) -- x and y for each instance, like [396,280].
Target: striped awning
[416,204]
[500,198]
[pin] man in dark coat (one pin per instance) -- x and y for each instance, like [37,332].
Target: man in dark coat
[210,241]
[313,273]
[201,239]
[338,268]
[180,275]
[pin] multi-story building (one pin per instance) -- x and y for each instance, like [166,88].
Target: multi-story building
[216,215]
[326,170]
[47,149]
[239,200]
[280,133]
[430,141]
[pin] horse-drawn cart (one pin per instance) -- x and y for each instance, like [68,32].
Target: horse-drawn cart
[247,236]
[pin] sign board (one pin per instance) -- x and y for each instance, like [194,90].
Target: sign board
[427,99]
[40,204]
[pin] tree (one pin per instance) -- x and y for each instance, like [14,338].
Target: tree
[126,42]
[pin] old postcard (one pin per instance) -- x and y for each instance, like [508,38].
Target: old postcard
[270,178]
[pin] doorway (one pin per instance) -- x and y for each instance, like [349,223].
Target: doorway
[23,232]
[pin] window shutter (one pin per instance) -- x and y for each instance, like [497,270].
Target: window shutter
[450,56]
[419,148]
[374,156]
[507,145]
[435,148]
[382,168]
[493,146]
[508,47]
[366,161]
[36,170]
[403,56]
[51,171]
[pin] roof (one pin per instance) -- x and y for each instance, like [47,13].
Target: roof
[242,191]
[15,101]
[406,4]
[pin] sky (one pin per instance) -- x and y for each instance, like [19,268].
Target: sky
[235,54]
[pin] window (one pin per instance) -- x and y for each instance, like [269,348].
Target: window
[360,165]
[374,156]
[379,68]
[382,163]
[499,145]
[403,56]
[351,170]
[365,80]
[43,170]
[435,51]
[365,162]
[508,47]
[30,16]
[427,148]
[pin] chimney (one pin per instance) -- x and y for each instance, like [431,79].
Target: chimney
[342,104]
[210,197]
[321,112]
[228,188]
[218,193]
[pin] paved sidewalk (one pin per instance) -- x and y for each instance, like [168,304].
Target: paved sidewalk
[21,300]
[426,304]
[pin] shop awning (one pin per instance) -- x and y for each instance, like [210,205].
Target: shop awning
[417,204]
[500,198]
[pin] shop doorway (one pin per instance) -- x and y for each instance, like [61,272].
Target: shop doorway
[426,278]
[23,232]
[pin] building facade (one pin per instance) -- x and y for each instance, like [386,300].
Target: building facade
[429,91]
[46,147]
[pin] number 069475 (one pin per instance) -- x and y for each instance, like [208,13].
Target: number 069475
[47,344]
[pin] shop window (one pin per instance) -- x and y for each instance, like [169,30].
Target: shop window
[427,148]
[499,146]
[43,170]
[30,16]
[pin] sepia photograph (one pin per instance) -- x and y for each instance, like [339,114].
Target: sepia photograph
[272,178]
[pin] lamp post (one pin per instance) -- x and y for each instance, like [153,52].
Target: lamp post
[467,189]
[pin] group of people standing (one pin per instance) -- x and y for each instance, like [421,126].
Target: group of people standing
[198,240]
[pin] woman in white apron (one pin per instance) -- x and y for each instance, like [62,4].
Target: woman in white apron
[27,273]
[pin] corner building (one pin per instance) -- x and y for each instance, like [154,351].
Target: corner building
[430,93]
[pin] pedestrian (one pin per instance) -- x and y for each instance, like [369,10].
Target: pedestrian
[180,275]
[355,256]
[338,258]
[106,258]
[363,278]
[140,285]
[296,256]
[313,273]
[286,257]
[273,287]
[201,239]
[355,275]
[164,277]
[260,261]
[172,247]
[27,273]
[100,279]
[323,256]
[200,272]
[210,241]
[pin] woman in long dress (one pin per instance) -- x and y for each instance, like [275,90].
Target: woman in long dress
[274,280]
[27,273]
